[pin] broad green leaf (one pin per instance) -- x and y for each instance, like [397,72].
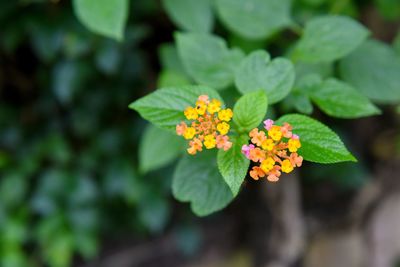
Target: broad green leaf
[207,59]
[169,78]
[257,72]
[329,38]
[197,180]
[169,58]
[302,69]
[299,102]
[104,17]
[190,15]
[338,99]
[233,165]
[164,107]
[318,143]
[374,70]
[396,44]
[250,110]
[158,148]
[254,19]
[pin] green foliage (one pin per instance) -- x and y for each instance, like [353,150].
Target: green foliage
[104,17]
[158,148]
[254,19]
[233,165]
[165,106]
[319,143]
[257,72]
[207,59]
[191,15]
[340,100]
[250,110]
[77,166]
[197,180]
[328,38]
[373,69]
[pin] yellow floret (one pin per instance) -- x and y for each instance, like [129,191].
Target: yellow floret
[225,114]
[268,144]
[209,141]
[214,106]
[275,133]
[201,107]
[223,128]
[267,164]
[286,166]
[293,145]
[189,133]
[191,113]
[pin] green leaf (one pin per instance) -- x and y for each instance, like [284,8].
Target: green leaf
[233,165]
[170,78]
[158,148]
[190,15]
[168,55]
[207,59]
[373,69]
[329,38]
[197,180]
[318,143]
[164,107]
[104,17]
[250,110]
[257,72]
[396,44]
[389,9]
[254,19]
[338,99]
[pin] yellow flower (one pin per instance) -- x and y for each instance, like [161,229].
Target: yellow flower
[286,166]
[201,107]
[214,106]
[293,145]
[276,152]
[275,133]
[191,113]
[267,164]
[223,128]
[209,141]
[208,127]
[268,144]
[225,114]
[189,133]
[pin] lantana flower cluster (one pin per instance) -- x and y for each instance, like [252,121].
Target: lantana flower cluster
[275,150]
[209,125]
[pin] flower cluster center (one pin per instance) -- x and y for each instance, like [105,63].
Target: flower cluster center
[275,150]
[208,127]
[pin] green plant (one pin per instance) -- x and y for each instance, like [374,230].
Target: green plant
[331,63]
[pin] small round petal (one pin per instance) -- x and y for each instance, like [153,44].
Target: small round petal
[256,173]
[268,144]
[191,113]
[181,128]
[267,164]
[275,133]
[286,166]
[223,128]
[214,106]
[268,124]
[225,114]
[203,98]
[189,133]
[294,145]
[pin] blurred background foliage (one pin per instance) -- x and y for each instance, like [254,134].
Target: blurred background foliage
[71,182]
